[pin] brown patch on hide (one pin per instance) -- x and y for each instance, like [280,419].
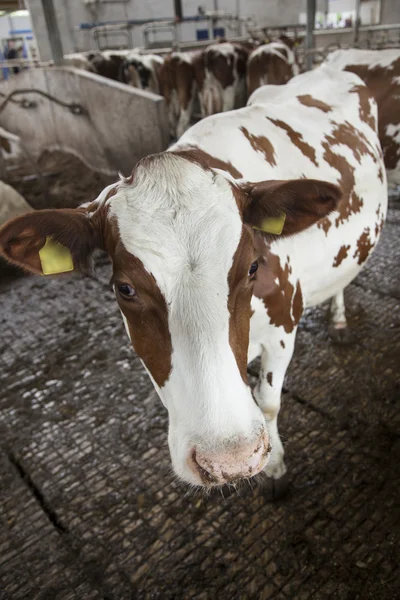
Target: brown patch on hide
[297,139]
[364,246]
[283,303]
[207,161]
[308,100]
[240,293]
[260,143]
[341,255]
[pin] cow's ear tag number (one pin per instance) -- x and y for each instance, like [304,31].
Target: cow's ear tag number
[273,224]
[55,258]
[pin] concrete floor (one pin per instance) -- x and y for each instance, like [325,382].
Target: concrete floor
[89,508]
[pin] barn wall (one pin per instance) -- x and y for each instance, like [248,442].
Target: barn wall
[390,11]
[10,23]
[74,12]
[111,110]
[70,14]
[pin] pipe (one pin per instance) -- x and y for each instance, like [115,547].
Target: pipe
[134,22]
[310,32]
[357,22]
[214,19]
[52,31]
[178,10]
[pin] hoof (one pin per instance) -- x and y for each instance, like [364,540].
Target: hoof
[280,487]
[340,335]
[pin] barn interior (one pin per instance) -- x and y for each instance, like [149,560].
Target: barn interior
[89,505]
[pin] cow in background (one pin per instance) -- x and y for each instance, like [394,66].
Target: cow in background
[142,71]
[108,63]
[221,77]
[177,76]
[380,70]
[79,60]
[214,77]
[274,63]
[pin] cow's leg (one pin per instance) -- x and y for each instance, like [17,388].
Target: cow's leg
[202,105]
[185,117]
[173,112]
[240,93]
[228,98]
[186,94]
[183,124]
[338,330]
[277,351]
[211,99]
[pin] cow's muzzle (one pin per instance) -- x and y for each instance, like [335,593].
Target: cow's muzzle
[241,461]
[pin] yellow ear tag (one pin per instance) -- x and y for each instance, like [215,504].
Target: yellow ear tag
[55,258]
[273,224]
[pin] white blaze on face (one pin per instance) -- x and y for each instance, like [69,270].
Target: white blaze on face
[183,223]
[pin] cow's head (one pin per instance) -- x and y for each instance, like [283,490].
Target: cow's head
[181,239]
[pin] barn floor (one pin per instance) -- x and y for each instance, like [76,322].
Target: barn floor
[89,508]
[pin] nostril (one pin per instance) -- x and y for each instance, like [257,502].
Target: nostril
[205,475]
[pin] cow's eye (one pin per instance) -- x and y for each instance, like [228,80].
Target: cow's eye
[126,290]
[253,268]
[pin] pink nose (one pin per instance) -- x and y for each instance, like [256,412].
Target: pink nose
[243,461]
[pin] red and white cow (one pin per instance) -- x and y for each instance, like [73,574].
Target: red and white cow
[218,245]
[215,76]
[380,70]
[177,76]
[273,63]
[108,63]
[221,78]
[142,71]
[78,60]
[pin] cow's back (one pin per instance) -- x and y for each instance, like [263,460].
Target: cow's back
[380,70]
[142,70]
[321,125]
[108,63]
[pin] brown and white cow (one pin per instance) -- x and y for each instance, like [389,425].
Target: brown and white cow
[218,245]
[142,71]
[221,78]
[273,63]
[215,76]
[177,76]
[380,70]
[79,60]
[108,63]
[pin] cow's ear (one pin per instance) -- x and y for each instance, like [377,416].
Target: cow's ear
[49,242]
[287,207]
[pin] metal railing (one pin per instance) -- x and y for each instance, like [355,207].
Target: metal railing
[370,37]
[97,33]
[155,28]
[211,18]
